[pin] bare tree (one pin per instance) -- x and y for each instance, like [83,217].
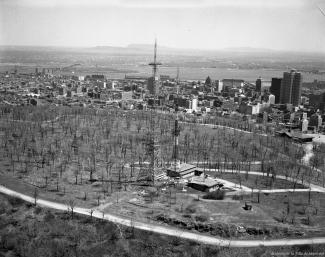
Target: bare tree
[35,195]
[71,205]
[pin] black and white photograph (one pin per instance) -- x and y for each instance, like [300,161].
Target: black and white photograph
[162,128]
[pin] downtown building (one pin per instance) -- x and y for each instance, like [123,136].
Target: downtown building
[291,88]
[275,89]
[258,85]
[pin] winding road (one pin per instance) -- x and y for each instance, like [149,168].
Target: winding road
[310,187]
[205,239]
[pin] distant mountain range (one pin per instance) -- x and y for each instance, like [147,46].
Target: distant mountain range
[147,49]
[166,48]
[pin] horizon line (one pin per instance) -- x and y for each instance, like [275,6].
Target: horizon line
[235,48]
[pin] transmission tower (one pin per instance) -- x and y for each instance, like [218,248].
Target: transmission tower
[147,176]
[155,65]
[176,130]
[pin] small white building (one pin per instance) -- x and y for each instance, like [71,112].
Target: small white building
[194,104]
[219,85]
[304,127]
[271,99]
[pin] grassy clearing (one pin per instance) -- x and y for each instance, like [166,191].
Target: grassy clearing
[303,210]
[30,232]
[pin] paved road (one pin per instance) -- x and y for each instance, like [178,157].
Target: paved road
[252,163]
[313,187]
[168,230]
[221,126]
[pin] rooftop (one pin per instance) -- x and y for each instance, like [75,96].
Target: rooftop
[182,167]
[208,182]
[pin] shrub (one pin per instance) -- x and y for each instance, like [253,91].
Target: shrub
[29,205]
[48,216]
[37,210]
[10,241]
[3,208]
[257,252]
[175,241]
[237,197]
[215,195]
[201,218]
[15,201]
[190,208]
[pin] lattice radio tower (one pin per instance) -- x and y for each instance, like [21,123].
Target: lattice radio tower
[148,175]
[176,130]
[155,65]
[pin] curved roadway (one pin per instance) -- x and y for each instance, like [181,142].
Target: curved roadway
[205,239]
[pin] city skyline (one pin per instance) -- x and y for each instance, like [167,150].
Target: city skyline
[208,25]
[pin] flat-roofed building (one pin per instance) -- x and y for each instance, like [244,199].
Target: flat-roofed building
[184,170]
[204,184]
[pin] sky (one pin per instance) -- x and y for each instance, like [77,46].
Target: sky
[296,25]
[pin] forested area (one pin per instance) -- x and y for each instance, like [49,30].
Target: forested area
[52,145]
[88,157]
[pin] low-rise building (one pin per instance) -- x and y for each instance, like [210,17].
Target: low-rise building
[184,170]
[204,184]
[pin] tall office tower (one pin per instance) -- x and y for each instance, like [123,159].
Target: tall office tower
[296,89]
[275,89]
[291,88]
[286,88]
[258,84]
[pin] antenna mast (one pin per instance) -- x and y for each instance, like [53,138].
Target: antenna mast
[155,65]
[176,130]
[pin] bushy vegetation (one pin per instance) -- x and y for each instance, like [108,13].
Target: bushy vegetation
[215,195]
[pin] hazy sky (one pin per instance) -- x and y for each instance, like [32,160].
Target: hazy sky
[202,24]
